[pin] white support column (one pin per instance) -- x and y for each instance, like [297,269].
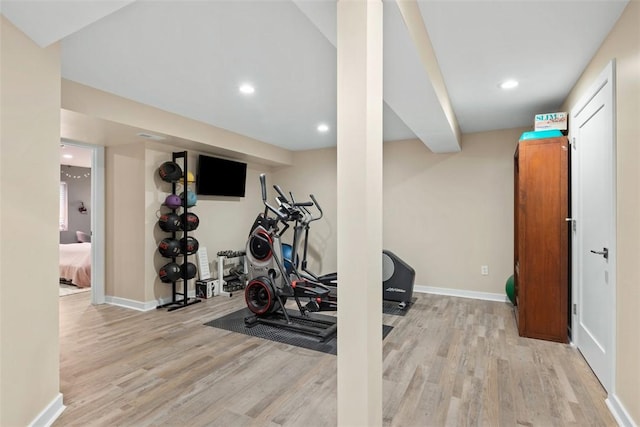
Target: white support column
[359,212]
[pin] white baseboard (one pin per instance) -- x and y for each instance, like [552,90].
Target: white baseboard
[131,304]
[50,413]
[488,296]
[142,306]
[623,418]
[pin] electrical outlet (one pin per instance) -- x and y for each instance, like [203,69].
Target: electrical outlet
[484,270]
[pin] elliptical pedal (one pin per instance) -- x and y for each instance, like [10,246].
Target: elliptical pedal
[312,306]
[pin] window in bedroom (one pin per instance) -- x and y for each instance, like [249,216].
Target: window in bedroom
[64,215]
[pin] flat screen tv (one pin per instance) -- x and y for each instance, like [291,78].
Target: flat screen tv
[220,177]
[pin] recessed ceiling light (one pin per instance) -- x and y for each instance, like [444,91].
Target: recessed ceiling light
[508,84]
[67,156]
[323,128]
[246,89]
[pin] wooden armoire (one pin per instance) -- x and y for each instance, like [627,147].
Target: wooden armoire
[541,246]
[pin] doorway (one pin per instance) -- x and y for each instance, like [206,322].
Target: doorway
[86,162]
[594,233]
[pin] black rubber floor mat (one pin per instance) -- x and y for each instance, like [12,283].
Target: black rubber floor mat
[235,322]
[391,307]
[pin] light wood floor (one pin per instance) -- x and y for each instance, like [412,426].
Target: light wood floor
[449,362]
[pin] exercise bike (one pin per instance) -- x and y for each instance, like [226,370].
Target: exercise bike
[270,284]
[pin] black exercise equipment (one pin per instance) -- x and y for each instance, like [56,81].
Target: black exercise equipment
[398,276]
[178,278]
[260,296]
[189,245]
[191,270]
[270,285]
[189,221]
[169,272]
[170,172]
[169,248]
[397,279]
[169,222]
[235,322]
[230,253]
[304,223]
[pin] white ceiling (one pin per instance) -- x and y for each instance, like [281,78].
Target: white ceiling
[73,155]
[189,57]
[543,44]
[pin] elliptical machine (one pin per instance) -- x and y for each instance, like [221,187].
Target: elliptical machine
[397,276]
[270,284]
[304,223]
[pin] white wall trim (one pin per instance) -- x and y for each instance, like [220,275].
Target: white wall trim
[98,202]
[142,306]
[623,418]
[97,213]
[488,296]
[131,304]
[50,413]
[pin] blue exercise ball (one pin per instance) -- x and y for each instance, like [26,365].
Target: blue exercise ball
[287,255]
[191,198]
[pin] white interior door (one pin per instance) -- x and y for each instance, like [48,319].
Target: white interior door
[593,139]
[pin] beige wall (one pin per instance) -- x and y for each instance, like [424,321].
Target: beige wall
[30,108]
[134,191]
[224,221]
[124,220]
[444,214]
[448,214]
[623,44]
[314,172]
[135,194]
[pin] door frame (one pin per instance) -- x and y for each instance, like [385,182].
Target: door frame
[607,75]
[97,214]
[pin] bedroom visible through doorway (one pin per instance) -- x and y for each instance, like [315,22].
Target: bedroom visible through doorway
[79,217]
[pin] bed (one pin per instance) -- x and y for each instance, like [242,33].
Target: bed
[75,264]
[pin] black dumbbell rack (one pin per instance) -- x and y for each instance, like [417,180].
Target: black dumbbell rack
[180,299]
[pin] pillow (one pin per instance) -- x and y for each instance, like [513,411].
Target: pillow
[83,237]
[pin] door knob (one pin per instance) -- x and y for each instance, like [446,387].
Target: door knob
[604,253]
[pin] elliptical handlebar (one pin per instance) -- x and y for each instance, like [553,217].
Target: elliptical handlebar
[289,209]
[315,202]
[293,201]
[263,184]
[308,216]
[279,191]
